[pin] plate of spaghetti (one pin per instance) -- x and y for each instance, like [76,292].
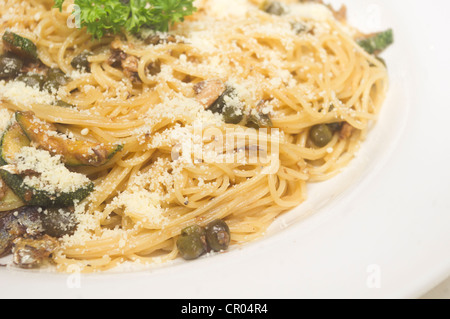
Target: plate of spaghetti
[154,138]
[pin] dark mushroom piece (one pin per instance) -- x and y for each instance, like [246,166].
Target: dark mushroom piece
[32,80]
[33,252]
[18,223]
[10,66]
[58,222]
[31,233]
[130,66]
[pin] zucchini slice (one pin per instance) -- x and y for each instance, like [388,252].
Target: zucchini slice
[37,197]
[12,141]
[73,152]
[20,46]
[10,201]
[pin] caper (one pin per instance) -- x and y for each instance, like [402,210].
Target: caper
[320,135]
[275,8]
[218,235]
[55,79]
[9,66]
[192,242]
[32,80]
[80,62]
[195,230]
[58,222]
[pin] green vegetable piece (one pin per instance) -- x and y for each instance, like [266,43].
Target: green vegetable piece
[80,62]
[275,8]
[58,222]
[299,27]
[219,104]
[218,235]
[378,42]
[20,46]
[12,141]
[229,105]
[32,80]
[10,66]
[10,201]
[55,79]
[233,114]
[38,197]
[321,135]
[106,17]
[73,152]
[382,61]
[192,242]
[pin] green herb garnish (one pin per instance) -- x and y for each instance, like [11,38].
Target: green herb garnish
[102,17]
[378,42]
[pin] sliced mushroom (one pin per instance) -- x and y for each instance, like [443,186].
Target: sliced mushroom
[207,92]
[18,223]
[158,39]
[32,252]
[130,67]
[346,131]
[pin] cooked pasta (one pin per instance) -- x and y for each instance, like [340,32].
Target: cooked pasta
[181,163]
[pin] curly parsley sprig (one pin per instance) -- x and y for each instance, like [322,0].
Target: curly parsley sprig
[102,17]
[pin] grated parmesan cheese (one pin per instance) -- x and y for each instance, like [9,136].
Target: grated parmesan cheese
[20,94]
[51,174]
[142,205]
[5,119]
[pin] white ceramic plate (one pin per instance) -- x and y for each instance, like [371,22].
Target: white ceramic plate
[378,230]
